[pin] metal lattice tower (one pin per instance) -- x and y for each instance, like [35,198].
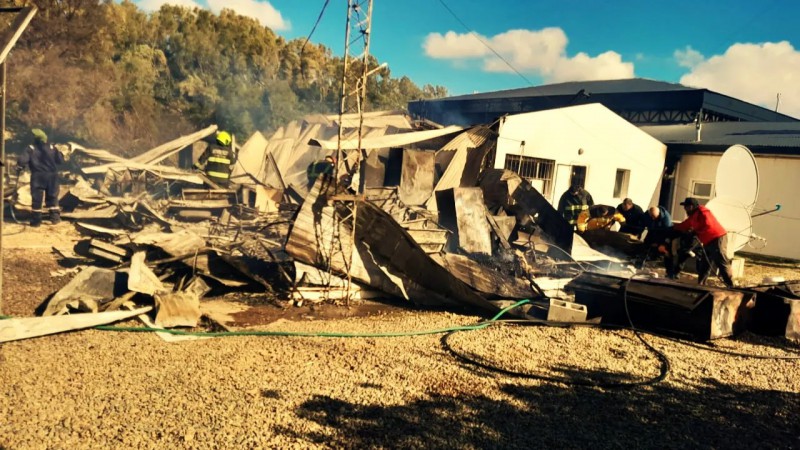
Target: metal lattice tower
[354,76]
[355,71]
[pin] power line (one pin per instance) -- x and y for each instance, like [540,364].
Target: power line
[314,28]
[485,44]
[547,98]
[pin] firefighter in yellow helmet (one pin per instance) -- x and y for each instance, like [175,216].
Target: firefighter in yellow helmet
[218,160]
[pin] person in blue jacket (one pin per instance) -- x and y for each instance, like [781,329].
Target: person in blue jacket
[42,159]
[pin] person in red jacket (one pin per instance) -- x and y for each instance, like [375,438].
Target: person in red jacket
[702,223]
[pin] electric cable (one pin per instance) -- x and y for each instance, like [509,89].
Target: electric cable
[535,88]
[692,344]
[663,369]
[314,28]
[477,36]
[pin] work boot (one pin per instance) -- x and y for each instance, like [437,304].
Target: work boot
[55,216]
[36,218]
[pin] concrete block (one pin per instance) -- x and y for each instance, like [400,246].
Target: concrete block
[564,311]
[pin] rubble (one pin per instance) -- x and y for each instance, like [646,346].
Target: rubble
[416,214]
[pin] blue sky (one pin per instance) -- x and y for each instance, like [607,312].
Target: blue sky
[746,49]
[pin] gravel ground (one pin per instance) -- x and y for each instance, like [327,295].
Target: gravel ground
[100,389]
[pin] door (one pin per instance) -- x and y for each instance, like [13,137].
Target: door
[561,183]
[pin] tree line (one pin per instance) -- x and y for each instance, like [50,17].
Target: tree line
[109,75]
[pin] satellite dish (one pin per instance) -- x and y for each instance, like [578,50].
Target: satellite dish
[734,216]
[737,176]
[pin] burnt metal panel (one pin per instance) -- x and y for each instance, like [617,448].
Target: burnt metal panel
[463,212]
[417,177]
[663,306]
[473,228]
[375,168]
[503,188]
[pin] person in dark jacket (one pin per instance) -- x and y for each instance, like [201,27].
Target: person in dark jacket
[658,224]
[42,159]
[317,168]
[660,238]
[634,217]
[573,201]
[217,161]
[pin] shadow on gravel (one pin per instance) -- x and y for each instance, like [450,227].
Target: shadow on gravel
[710,415]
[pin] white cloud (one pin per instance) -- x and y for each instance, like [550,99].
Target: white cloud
[452,45]
[753,72]
[541,52]
[688,57]
[264,12]
[155,5]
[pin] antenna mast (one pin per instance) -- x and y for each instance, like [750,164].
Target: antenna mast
[355,71]
[354,78]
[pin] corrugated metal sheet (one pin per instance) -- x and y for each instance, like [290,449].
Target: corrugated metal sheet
[472,138]
[394,140]
[374,119]
[783,135]
[250,159]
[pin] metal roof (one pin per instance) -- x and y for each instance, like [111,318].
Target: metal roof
[760,137]
[573,87]
[638,100]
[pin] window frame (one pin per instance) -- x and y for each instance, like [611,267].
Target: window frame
[702,199]
[621,190]
[541,167]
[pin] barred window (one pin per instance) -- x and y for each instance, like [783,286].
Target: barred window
[538,172]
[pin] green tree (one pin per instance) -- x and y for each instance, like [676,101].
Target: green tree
[113,76]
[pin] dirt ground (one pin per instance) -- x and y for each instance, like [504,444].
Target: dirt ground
[533,386]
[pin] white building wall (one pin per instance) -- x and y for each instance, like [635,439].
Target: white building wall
[777,175]
[586,135]
[691,168]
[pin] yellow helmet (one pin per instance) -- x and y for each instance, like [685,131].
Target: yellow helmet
[39,135]
[224,138]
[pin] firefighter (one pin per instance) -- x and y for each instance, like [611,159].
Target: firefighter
[573,201]
[43,160]
[317,168]
[218,159]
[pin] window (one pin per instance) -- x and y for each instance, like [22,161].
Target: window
[621,183]
[538,172]
[701,190]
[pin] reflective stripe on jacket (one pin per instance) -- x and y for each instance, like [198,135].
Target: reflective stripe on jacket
[40,158]
[218,162]
[318,168]
[570,206]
